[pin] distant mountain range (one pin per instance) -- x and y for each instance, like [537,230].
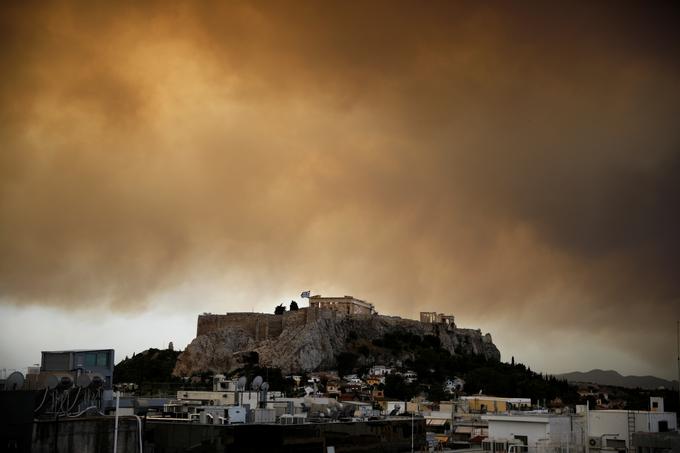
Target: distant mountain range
[611,377]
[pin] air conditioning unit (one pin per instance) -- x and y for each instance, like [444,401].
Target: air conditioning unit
[595,442]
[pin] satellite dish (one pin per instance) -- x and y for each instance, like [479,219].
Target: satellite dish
[257,382]
[97,380]
[84,380]
[47,381]
[14,381]
[65,382]
[265,386]
[241,384]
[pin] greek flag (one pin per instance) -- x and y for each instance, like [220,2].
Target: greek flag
[305,294]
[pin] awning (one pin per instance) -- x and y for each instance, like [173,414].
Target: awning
[436,422]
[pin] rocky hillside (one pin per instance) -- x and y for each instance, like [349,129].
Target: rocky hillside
[313,339]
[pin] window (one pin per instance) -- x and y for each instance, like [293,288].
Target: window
[91,359]
[655,405]
[523,439]
[102,359]
[663,426]
[96,359]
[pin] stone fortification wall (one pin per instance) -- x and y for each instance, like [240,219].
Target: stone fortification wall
[209,322]
[261,326]
[264,325]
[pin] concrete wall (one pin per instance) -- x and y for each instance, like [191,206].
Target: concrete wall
[84,435]
[560,430]
[95,434]
[384,436]
[16,419]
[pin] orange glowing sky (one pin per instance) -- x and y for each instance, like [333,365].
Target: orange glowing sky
[515,164]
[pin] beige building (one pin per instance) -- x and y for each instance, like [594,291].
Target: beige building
[432,317]
[484,404]
[347,304]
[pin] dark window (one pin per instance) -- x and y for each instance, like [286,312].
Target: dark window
[524,439]
[655,404]
[55,361]
[663,426]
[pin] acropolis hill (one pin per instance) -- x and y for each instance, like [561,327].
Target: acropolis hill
[311,338]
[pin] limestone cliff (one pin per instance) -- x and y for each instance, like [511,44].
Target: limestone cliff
[311,339]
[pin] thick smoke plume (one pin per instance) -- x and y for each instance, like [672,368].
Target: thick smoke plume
[515,162]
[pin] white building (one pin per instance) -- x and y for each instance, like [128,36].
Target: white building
[590,431]
[613,428]
[379,370]
[410,376]
[537,431]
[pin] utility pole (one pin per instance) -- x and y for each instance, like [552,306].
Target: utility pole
[412,430]
[115,429]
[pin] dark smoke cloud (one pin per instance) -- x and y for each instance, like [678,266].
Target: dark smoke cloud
[516,162]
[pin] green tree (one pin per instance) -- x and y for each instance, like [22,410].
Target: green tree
[346,362]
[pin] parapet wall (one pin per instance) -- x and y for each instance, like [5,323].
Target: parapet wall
[391,435]
[86,435]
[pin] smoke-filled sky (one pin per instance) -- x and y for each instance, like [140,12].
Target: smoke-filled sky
[516,164]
